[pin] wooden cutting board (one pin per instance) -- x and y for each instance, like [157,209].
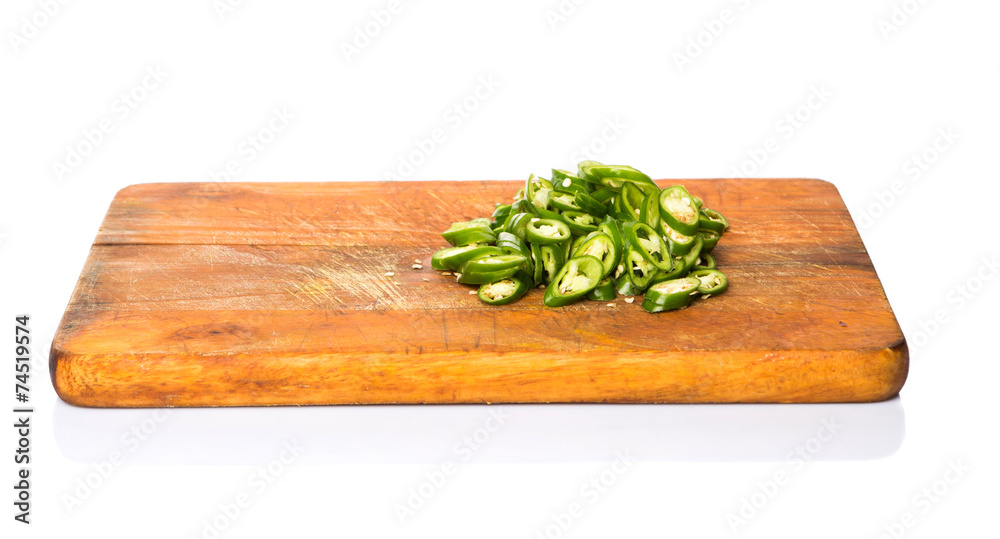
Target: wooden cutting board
[215,294]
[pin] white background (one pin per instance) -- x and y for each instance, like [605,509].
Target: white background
[889,92]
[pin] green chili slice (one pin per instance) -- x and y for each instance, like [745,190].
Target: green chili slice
[567,182]
[680,244]
[617,176]
[704,261]
[711,281]
[672,294]
[640,270]
[601,247]
[553,260]
[500,213]
[492,263]
[547,231]
[649,244]
[538,268]
[591,205]
[517,224]
[710,239]
[581,224]
[487,277]
[504,291]
[452,258]
[649,211]
[709,219]
[604,291]
[474,231]
[575,279]
[565,201]
[678,209]
[692,256]
[625,287]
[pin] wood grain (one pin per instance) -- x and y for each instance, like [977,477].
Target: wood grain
[262,294]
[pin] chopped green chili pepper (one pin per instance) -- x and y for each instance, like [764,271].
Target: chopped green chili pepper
[542,199]
[678,210]
[704,261]
[632,200]
[474,231]
[601,247]
[583,172]
[604,231]
[567,182]
[533,184]
[625,287]
[492,263]
[617,176]
[580,223]
[520,205]
[518,224]
[500,213]
[487,277]
[511,244]
[604,291]
[644,240]
[538,267]
[603,195]
[649,212]
[712,220]
[710,239]
[612,229]
[672,294]
[680,244]
[692,256]
[547,231]
[591,205]
[575,279]
[676,273]
[452,258]
[711,281]
[553,260]
[565,201]
[504,291]
[640,270]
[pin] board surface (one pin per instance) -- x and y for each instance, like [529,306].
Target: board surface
[232,294]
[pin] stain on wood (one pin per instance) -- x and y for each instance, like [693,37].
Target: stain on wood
[237,294]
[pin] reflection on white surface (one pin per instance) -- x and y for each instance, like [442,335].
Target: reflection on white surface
[499,433]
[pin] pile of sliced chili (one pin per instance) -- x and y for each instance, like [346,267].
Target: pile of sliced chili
[604,231]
